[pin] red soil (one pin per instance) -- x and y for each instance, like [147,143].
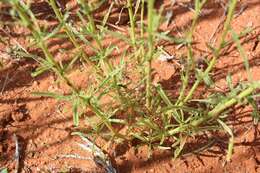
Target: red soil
[44,125]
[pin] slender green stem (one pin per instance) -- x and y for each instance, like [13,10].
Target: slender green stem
[38,36]
[104,117]
[69,32]
[150,53]
[190,52]
[142,19]
[142,46]
[61,20]
[132,21]
[106,65]
[89,16]
[213,114]
[217,52]
[56,67]
[92,23]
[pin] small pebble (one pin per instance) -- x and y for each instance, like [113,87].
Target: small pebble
[164,57]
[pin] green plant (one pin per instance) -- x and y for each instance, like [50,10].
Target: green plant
[141,107]
[4,170]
